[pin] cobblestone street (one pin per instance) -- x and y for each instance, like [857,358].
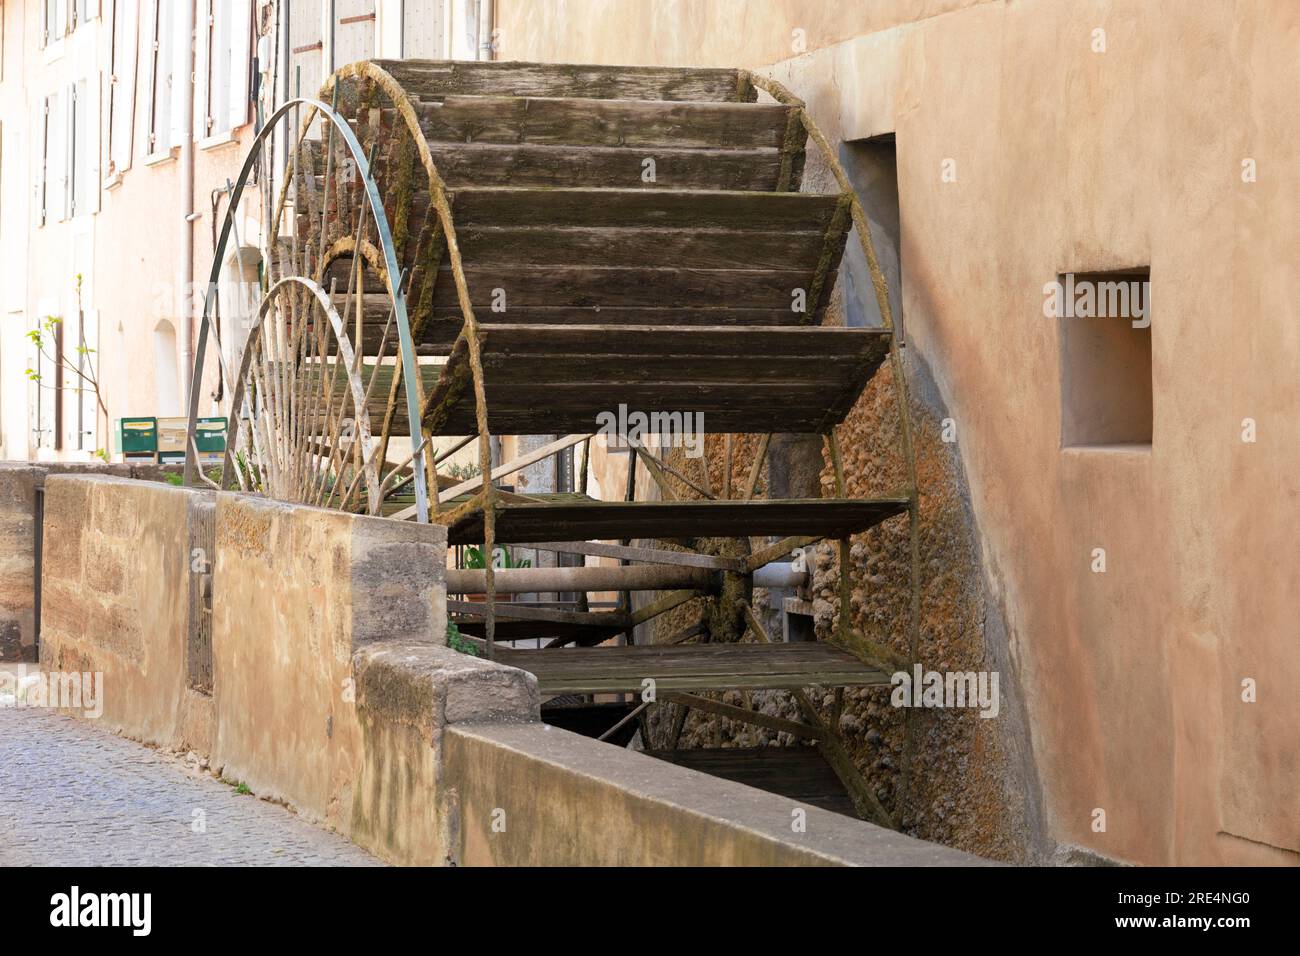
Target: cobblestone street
[72,794]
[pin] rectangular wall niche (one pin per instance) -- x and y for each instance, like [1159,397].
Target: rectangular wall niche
[872,168]
[1105,358]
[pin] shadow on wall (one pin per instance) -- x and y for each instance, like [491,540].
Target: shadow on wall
[947,774]
[872,168]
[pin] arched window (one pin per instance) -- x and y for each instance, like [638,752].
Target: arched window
[167,397]
[238,297]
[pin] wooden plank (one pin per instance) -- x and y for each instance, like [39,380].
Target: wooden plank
[585,121]
[799,773]
[539,379]
[445,322]
[670,367]
[628,341]
[643,208]
[431,79]
[622,287]
[710,658]
[486,246]
[491,164]
[804,408]
[666,520]
[626,684]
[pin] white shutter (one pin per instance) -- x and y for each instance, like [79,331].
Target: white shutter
[122,93]
[77,165]
[43,177]
[305,56]
[69,99]
[93,166]
[423,29]
[241,53]
[204,48]
[56,164]
[60,26]
[180,70]
[154,84]
[388,29]
[92,9]
[354,32]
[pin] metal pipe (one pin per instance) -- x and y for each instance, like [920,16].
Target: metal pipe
[632,577]
[185,270]
[636,577]
[778,575]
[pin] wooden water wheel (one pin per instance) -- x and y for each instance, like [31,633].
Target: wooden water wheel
[469,249]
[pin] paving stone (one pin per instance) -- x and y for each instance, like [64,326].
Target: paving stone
[73,794]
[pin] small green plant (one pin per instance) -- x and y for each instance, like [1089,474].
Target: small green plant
[242,789]
[464,472]
[458,642]
[502,560]
[173,479]
[48,341]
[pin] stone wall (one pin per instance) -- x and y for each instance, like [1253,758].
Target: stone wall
[114,601]
[333,692]
[19,484]
[533,795]
[297,592]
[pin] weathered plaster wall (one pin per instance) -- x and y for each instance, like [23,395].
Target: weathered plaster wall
[695,32]
[1068,159]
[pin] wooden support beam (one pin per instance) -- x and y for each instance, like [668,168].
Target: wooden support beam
[501,471]
[631,715]
[664,604]
[663,466]
[756,469]
[686,633]
[520,612]
[757,719]
[772,552]
[515,464]
[863,796]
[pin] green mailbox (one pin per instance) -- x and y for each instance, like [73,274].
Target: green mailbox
[210,437]
[138,438]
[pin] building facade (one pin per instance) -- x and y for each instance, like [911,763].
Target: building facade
[122,125]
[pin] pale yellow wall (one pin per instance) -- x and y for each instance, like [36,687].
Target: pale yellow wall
[1069,159]
[694,32]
